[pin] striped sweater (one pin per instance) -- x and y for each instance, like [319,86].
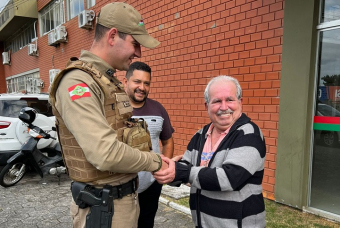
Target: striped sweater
[227,193]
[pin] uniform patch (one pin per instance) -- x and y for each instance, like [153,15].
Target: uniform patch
[79,91]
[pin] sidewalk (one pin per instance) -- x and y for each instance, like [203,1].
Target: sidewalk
[176,193]
[41,203]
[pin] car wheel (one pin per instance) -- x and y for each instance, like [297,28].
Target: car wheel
[12,173]
[329,138]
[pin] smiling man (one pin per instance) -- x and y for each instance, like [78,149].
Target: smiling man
[91,109]
[224,163]
[137,86]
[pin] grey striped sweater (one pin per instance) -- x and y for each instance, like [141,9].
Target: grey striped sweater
[227,193]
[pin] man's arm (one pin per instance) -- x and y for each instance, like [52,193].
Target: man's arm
[84,117]
[168,147]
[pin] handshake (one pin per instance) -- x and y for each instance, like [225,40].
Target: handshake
[168,170]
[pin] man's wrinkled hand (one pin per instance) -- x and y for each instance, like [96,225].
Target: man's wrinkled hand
[164,176]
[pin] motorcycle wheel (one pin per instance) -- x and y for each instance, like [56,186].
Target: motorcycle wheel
[12,173]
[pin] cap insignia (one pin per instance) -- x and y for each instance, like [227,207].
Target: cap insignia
[141,23]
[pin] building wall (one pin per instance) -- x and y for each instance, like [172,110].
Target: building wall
[298,85]
[2,73]
[200,39]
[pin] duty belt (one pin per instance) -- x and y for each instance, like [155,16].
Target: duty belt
[100,200]
[119,191]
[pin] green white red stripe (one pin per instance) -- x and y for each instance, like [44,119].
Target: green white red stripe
[79,91]
[326,123]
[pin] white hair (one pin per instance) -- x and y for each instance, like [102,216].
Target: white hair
[222,78]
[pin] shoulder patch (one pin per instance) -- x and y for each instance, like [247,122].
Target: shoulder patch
[79,91]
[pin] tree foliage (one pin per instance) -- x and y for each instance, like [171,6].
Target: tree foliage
[333,80]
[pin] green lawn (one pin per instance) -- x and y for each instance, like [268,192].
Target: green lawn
[282,216]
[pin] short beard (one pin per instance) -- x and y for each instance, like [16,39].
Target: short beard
[137,101]
[132,97]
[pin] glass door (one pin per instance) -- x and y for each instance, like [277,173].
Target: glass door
[325,180]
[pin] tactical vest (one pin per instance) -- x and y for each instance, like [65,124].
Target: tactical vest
[118,112]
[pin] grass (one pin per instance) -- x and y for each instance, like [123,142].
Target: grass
[281,216]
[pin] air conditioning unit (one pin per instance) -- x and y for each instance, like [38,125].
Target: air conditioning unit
[32,50]
[52,74]
[60,34]
[51,38]
[39,83]
[5,58]
[85,19]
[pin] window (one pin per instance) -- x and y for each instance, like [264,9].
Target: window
[330,11]
[26,82]
[325,185]
[52,16]
[74,7]
[21,38]
[4,16]
[90,3]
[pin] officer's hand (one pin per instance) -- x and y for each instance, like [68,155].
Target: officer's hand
[165,164]
[177,158]
[164,176]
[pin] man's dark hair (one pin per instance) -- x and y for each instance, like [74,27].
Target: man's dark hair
[101,30]
[137,66]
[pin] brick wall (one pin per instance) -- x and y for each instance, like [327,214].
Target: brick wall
[200,39]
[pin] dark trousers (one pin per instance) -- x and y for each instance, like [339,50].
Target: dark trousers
[148,203]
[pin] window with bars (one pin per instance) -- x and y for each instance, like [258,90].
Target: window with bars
[21,38]
[25,83]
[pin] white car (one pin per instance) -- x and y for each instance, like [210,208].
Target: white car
[13,132]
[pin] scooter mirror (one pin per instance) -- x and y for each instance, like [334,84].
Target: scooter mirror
[27,115]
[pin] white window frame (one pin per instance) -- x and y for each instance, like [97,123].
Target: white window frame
[24,82]
[51,16]
[90,3]
[74,7]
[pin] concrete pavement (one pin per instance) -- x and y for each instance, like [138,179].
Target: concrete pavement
[42,203]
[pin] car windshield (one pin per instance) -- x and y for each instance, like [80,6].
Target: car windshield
[11,108]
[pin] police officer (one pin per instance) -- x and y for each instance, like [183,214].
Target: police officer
[90,106]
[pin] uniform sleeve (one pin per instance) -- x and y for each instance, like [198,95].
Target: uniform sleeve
[85,119]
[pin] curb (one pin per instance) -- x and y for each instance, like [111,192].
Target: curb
[175,206]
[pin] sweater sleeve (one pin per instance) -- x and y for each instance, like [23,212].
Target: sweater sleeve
[240,160]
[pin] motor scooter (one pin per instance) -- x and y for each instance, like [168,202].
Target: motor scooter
[30,157]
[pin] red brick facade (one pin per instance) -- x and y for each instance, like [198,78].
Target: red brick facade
[200,39]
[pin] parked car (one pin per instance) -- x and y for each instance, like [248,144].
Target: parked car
[13,132]
[328,138]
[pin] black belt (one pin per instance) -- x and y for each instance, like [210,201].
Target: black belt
[118,191]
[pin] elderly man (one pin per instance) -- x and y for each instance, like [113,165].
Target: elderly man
[223,163]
